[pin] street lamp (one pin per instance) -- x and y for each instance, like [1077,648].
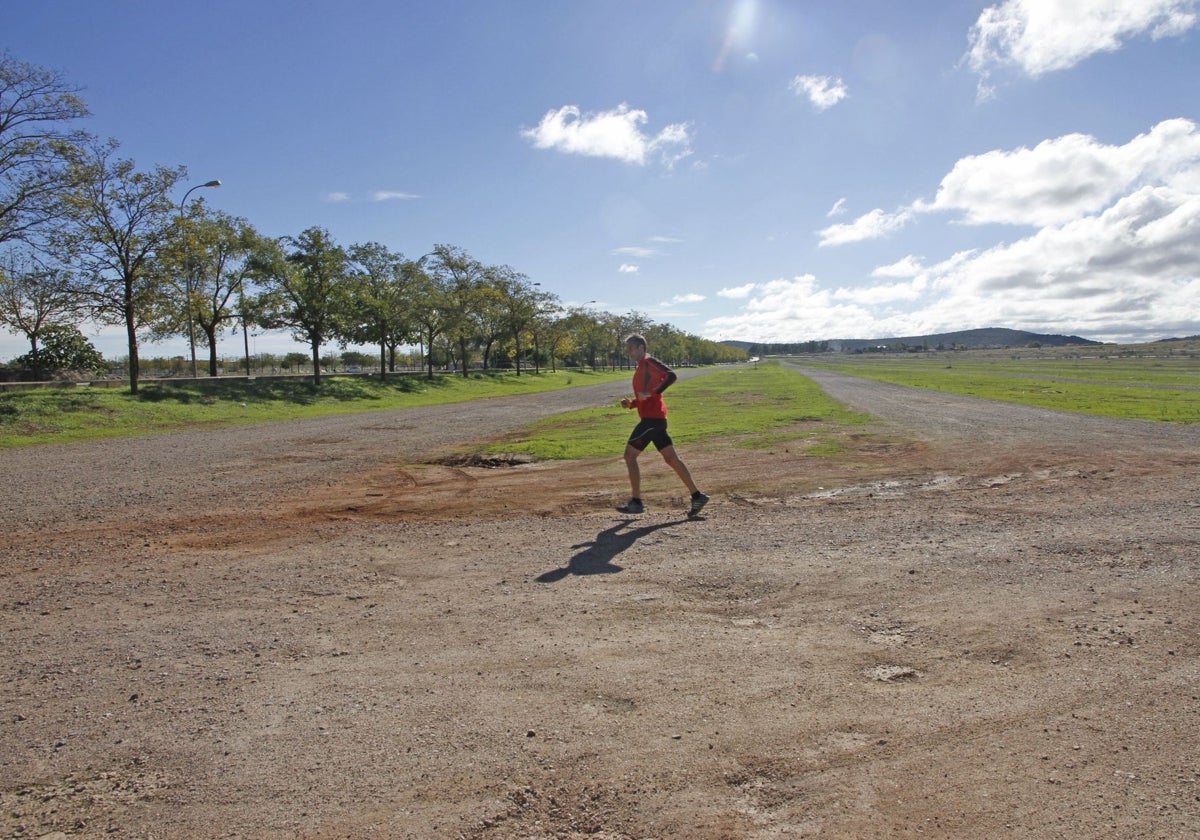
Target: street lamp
[187,277]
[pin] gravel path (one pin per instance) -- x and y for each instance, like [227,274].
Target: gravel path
[979,620]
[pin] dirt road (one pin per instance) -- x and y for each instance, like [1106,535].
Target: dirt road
[981,621]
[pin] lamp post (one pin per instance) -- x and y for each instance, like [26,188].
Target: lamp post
[187,277]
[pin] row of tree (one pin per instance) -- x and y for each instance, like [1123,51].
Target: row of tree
[87,237]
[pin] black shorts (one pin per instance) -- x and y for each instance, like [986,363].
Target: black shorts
[650,430]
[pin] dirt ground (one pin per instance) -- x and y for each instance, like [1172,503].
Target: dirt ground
[981,621]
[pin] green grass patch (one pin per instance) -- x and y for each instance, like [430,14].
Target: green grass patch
[762,406]
[1128,388]
[83,413]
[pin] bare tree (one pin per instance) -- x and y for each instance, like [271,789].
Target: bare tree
[36,144]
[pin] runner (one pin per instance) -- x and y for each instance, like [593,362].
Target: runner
[650,379]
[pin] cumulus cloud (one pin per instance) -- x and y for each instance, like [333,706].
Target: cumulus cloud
[626,268]
[1053,183]
[1112,251]
[822,91]
[613,134]
[688,298]
[1042,36]
[909,266]
[737,292]
[873,225]
[1063,178]
[1130,273]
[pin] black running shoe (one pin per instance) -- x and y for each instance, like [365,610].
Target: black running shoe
[632,506]
[699,500]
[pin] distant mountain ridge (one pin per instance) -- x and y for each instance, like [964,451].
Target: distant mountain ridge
[986,338]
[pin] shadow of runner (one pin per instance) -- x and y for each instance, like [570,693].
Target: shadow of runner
[597,555]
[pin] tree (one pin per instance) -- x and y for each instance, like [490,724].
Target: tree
[34,299]
[381,308]
[214,250]
[117,220]
[37,145]
[590,334]
[431,307]
[521,304]
[63,348]
[460,276]
[306,288]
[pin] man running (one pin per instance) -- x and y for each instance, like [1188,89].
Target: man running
[650,379]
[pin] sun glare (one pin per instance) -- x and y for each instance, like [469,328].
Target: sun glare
[742,18]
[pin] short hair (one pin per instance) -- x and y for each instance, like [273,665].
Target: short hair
[636,338]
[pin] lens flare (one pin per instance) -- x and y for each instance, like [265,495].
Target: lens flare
[742,18]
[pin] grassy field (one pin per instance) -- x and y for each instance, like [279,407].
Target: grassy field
[762,405]
[754,406]
[81,413]
[1125,385]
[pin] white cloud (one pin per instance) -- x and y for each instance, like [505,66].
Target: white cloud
[635,251]
[838,208]
[626,268]
[389,195]
[1054,183]
[909,266]
[883,294]
[1063,178]
[1130,273]
[688,298]
[1113,254]
[337,197]
[822,91]
[1041,36]
[610,134]
[737,292]
[873,225]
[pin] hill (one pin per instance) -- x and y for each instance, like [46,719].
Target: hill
[987,338]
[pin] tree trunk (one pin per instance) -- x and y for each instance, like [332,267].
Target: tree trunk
[131,333]
[316,350]
[211,333]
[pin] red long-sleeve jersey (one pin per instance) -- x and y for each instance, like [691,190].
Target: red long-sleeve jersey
[652,377]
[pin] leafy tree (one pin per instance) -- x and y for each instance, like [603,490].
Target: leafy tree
[589,333]
[214,250]
[382,302]
[63,348]
[117,220]
[489,315]
[555,333]
[352,358]
[36,144]
[521,304]
[305,288]
[431,307]
[291,360]
[460,278]
[34,298]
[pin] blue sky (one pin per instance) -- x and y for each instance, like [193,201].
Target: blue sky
[765,170]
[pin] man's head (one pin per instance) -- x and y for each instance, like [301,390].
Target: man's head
[635,346]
